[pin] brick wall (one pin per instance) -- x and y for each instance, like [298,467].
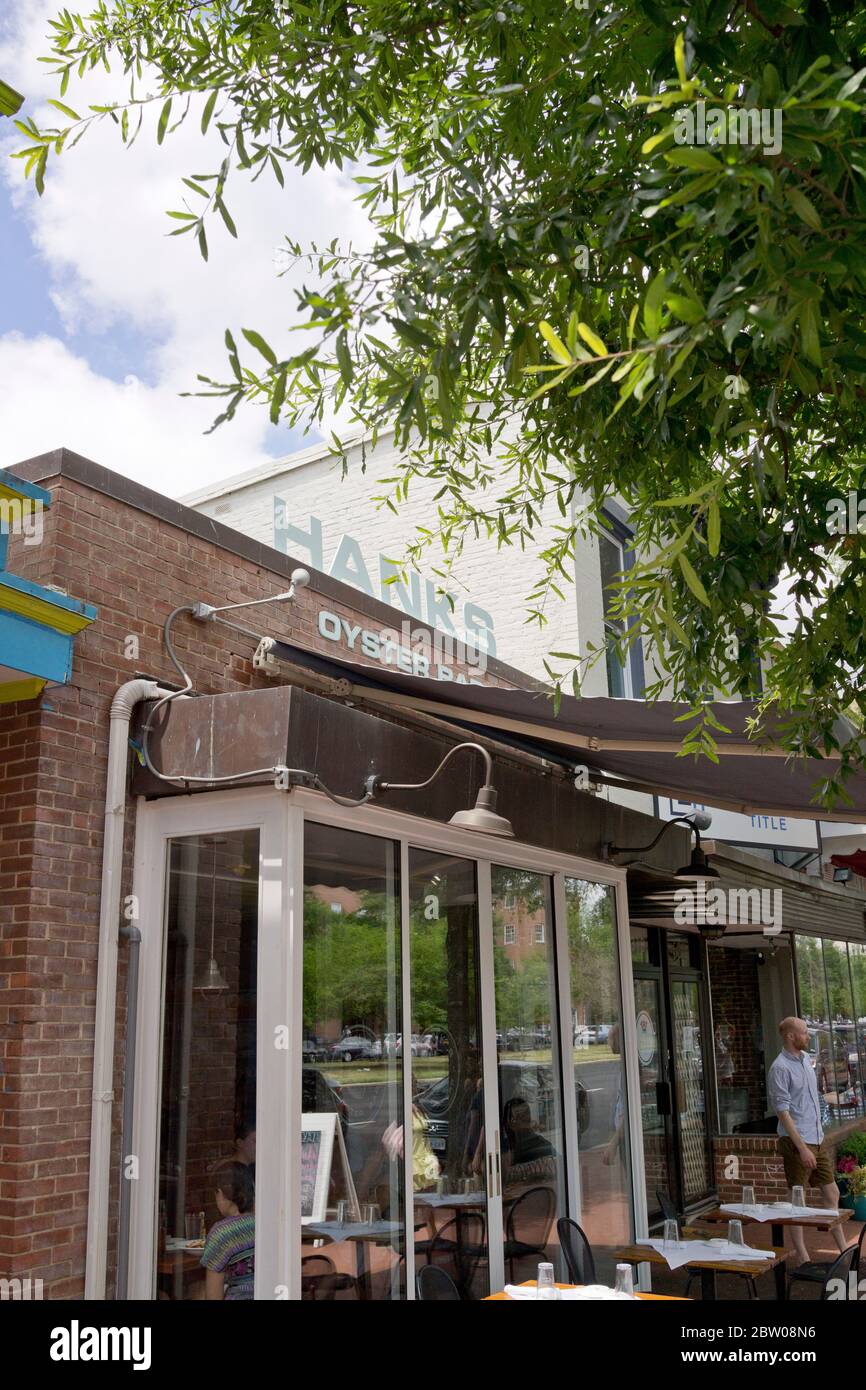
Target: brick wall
[135,567]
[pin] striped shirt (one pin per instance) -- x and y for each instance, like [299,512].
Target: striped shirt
[792,1086]
[230,1250]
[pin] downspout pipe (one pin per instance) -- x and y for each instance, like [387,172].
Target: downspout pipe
[122,707]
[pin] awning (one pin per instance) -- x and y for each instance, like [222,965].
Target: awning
[629,742]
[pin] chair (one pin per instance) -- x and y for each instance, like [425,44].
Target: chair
[433,1285]
[670,1213]
[528,1225]
[577,1251]
[462,1241]
[847,1263]
[320,1279]
[821,1271]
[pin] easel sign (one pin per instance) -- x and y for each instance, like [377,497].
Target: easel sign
[320,1135]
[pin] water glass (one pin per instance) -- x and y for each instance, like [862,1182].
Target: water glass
[442,1186]
[624,1279]
[545,1283]
[798,1197]
[344,1211]
[370,1213]
[671,1236]
[748,1197]
[735,1233]
[191,1225]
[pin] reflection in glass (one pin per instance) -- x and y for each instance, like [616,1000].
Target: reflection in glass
[207,1131]
[815,1009]
[528,1069]
[652,1082]
[599,1069]
[352,1124]
[838,1062]
[690,1098]
[857,958]
[450,1198]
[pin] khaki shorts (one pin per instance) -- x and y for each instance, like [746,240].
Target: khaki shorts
[796,1172]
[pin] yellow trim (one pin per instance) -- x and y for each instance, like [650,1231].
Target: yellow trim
[10,691]
[39,610]
[31,504]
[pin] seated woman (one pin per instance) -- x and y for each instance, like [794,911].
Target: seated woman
[229,1250]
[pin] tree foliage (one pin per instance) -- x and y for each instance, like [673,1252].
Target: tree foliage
[618,249]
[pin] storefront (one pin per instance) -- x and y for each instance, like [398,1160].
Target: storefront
[454,1016]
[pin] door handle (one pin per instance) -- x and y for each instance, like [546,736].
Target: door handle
[498,1179]
[490,1174]
[664,1100]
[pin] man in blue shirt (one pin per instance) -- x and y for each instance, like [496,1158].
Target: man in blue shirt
[793,1092]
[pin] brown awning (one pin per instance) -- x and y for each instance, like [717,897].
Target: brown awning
[633,743]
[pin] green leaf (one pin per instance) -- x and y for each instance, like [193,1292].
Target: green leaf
[652,305]
[556,345]
[714,527]
[66,110]
[279,395]
[592,340]
[685,309]
[692,157]
[257,341]
[208,110]
[161,128]
[224,214]
[692,579]
[804,208]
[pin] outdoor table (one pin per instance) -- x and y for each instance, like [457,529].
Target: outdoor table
[709,1268]
[644,1297]
[460,1203]
[777,1221]
[363,1233]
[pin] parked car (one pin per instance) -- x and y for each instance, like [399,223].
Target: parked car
[352,1047]
[584,1035]
[602,1032]
[436,1043]
[315,1049]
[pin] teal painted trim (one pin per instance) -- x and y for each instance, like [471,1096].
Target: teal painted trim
[63,601]
[23,488]
[34,649]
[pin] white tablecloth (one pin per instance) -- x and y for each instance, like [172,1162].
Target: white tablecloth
[776,1211]
[590,1293]
[692,1251]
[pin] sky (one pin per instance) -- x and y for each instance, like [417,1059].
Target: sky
[105,319]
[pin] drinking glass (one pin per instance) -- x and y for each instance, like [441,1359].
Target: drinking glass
[748,1196]
[735,1233]
[441,1186]
[798,1197]
[344,1211]
[671,1237]
[624,1279]
[191,1225]
[545,1283]
[369,1213]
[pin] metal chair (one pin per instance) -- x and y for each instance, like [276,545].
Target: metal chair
[820,1271]
[576,1250]
[320,1279]
[528,1225]
[433,1285]
[847,1264]
[462,1242]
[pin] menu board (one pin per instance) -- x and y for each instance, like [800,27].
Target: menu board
[317,1153]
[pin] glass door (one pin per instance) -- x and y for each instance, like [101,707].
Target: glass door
[449,1157]
[655,1093]
[529,1157]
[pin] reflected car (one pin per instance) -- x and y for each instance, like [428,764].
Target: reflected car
[315,1049]
[323,1097]
[532,1080]
[352,1048]
[584,1035]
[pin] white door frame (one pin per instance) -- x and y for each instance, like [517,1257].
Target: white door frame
[279,817]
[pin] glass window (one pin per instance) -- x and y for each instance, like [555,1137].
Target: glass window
[857,958]
[352,1207]
[599,1070]
[539,933]
[449,1168]
[612,563]
[509,934]
[207,1141]
[640,951]
[738,984]
[531,1139]
[815,1009]
[839,1069]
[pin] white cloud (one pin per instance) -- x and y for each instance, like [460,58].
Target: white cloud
[100,230]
